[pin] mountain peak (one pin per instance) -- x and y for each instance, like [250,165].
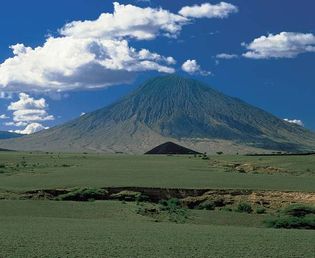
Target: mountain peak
[173,108]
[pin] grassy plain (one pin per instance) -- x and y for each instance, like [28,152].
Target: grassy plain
[45,228]
[50,171]
[113,229]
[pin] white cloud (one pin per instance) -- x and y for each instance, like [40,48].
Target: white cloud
[226,56]
[192,67]
[4,116]
[146,54]
[31,128]
[207,10]
[294,121]
[17,124]
[68,63]
[27,102]
[96,53]
[282,45]
[128,21]
[28,111]
[29,115]
[82,114]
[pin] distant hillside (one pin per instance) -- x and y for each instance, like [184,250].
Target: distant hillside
[9,135]
[176,109]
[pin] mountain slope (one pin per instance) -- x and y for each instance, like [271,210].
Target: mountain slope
[175,109]
[9,135]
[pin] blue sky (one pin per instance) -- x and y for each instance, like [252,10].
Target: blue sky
[274,72]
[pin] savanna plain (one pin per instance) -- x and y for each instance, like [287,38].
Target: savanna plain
[97,205]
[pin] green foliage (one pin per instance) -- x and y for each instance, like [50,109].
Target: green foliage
[83,194]
[260,210]
[129,196]
[294,216]
[206,205]
[170,204]
[298,210]
[150,210]
[244,207]
[306,222]
[174,209]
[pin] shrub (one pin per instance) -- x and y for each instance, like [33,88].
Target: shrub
[170,204]
[130,196]
[148,211]
[83,194]
[244,207]
[260,210]
[206,205]
[307,222]
[294,216]
[174,209]
[298,210]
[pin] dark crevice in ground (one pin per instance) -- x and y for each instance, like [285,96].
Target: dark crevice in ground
[190,198]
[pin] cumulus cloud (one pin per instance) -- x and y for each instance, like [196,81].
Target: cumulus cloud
[207,10]
[282,45]
[31,128]
[294,121]
[4,116]
[128,21]
[94,53]
[192,67]
[226,56]
[27,102]
[29,115]
[68,63]
[28,111]
[17,124]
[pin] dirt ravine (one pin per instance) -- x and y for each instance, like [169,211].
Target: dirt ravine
[189,197]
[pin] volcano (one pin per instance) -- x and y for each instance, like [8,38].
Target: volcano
[176,109]
[171,148]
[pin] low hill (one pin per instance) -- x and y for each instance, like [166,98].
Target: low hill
[9,135]
[171,148]
[172,108]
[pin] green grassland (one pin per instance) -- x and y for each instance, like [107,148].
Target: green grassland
[26,171]
[46,228]
[113,229]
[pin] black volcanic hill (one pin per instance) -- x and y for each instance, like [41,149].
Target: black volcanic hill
[172,108]
[171,148]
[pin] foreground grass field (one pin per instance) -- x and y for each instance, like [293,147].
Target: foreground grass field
[112,228]
[26,171]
